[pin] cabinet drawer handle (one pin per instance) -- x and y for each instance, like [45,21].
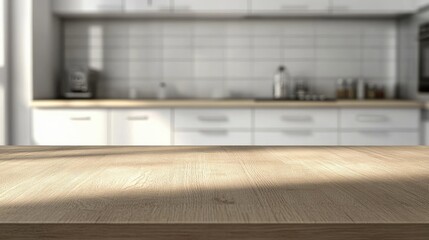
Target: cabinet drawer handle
[80,118]
[294,7]
[213,118]
[138,118]
[298,132]
[214,132]
[372,118]
[297,118]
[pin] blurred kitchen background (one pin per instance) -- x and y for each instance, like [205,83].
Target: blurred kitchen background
[206,72]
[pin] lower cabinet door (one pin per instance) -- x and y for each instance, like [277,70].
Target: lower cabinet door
[380,138]
[141,127]
[58,127]
[296,138]
[213,138]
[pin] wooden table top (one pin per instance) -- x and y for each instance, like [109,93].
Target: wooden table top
[206,185]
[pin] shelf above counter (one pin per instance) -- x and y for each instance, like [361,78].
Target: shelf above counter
[203,103]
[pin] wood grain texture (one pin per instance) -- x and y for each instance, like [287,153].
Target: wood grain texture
[272,190]
[221,104]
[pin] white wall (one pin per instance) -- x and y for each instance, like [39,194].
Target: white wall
[3,71]
[21,71]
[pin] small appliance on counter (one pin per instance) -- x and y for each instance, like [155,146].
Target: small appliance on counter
[79,83]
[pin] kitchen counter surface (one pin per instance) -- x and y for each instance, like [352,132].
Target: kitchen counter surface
[221,104]
[215,192]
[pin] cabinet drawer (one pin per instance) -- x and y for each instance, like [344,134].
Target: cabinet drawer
[213,119]
[70,127]
[213,138]
[296,118]
[379,118]
[290,5]
[209,6]
[371,6]
[296,138]
[87,6]
[141,127]
[147,5]
[380,138]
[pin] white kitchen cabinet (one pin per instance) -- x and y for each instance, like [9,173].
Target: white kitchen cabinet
[373,6]
[64,127]
[202,127]
[296,127]
[289,6]
[380,118]
[304,137]
[380,127]
[148,5]
[87,6]
[380,138]
[141,127]
[296,118]
[213,137]
[202,119]
[211,6]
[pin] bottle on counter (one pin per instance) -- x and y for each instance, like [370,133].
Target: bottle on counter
[280,83]
[341,89]
[361,89]
[351,89]
[380,92]
[371,92]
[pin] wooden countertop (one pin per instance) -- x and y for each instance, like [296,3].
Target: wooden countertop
[220,192]
[221,104]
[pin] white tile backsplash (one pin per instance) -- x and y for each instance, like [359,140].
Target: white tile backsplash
[267,53]
[238,54]
[298,42]
[230,58]
[339,54]
[211,70]
[299,53]
[267,41]
[338,42]
[380,69]
[145,70]
[264,69]
[209,54]
[178,70]
[145,54]
[379,54]
[338,69]
[239,70]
